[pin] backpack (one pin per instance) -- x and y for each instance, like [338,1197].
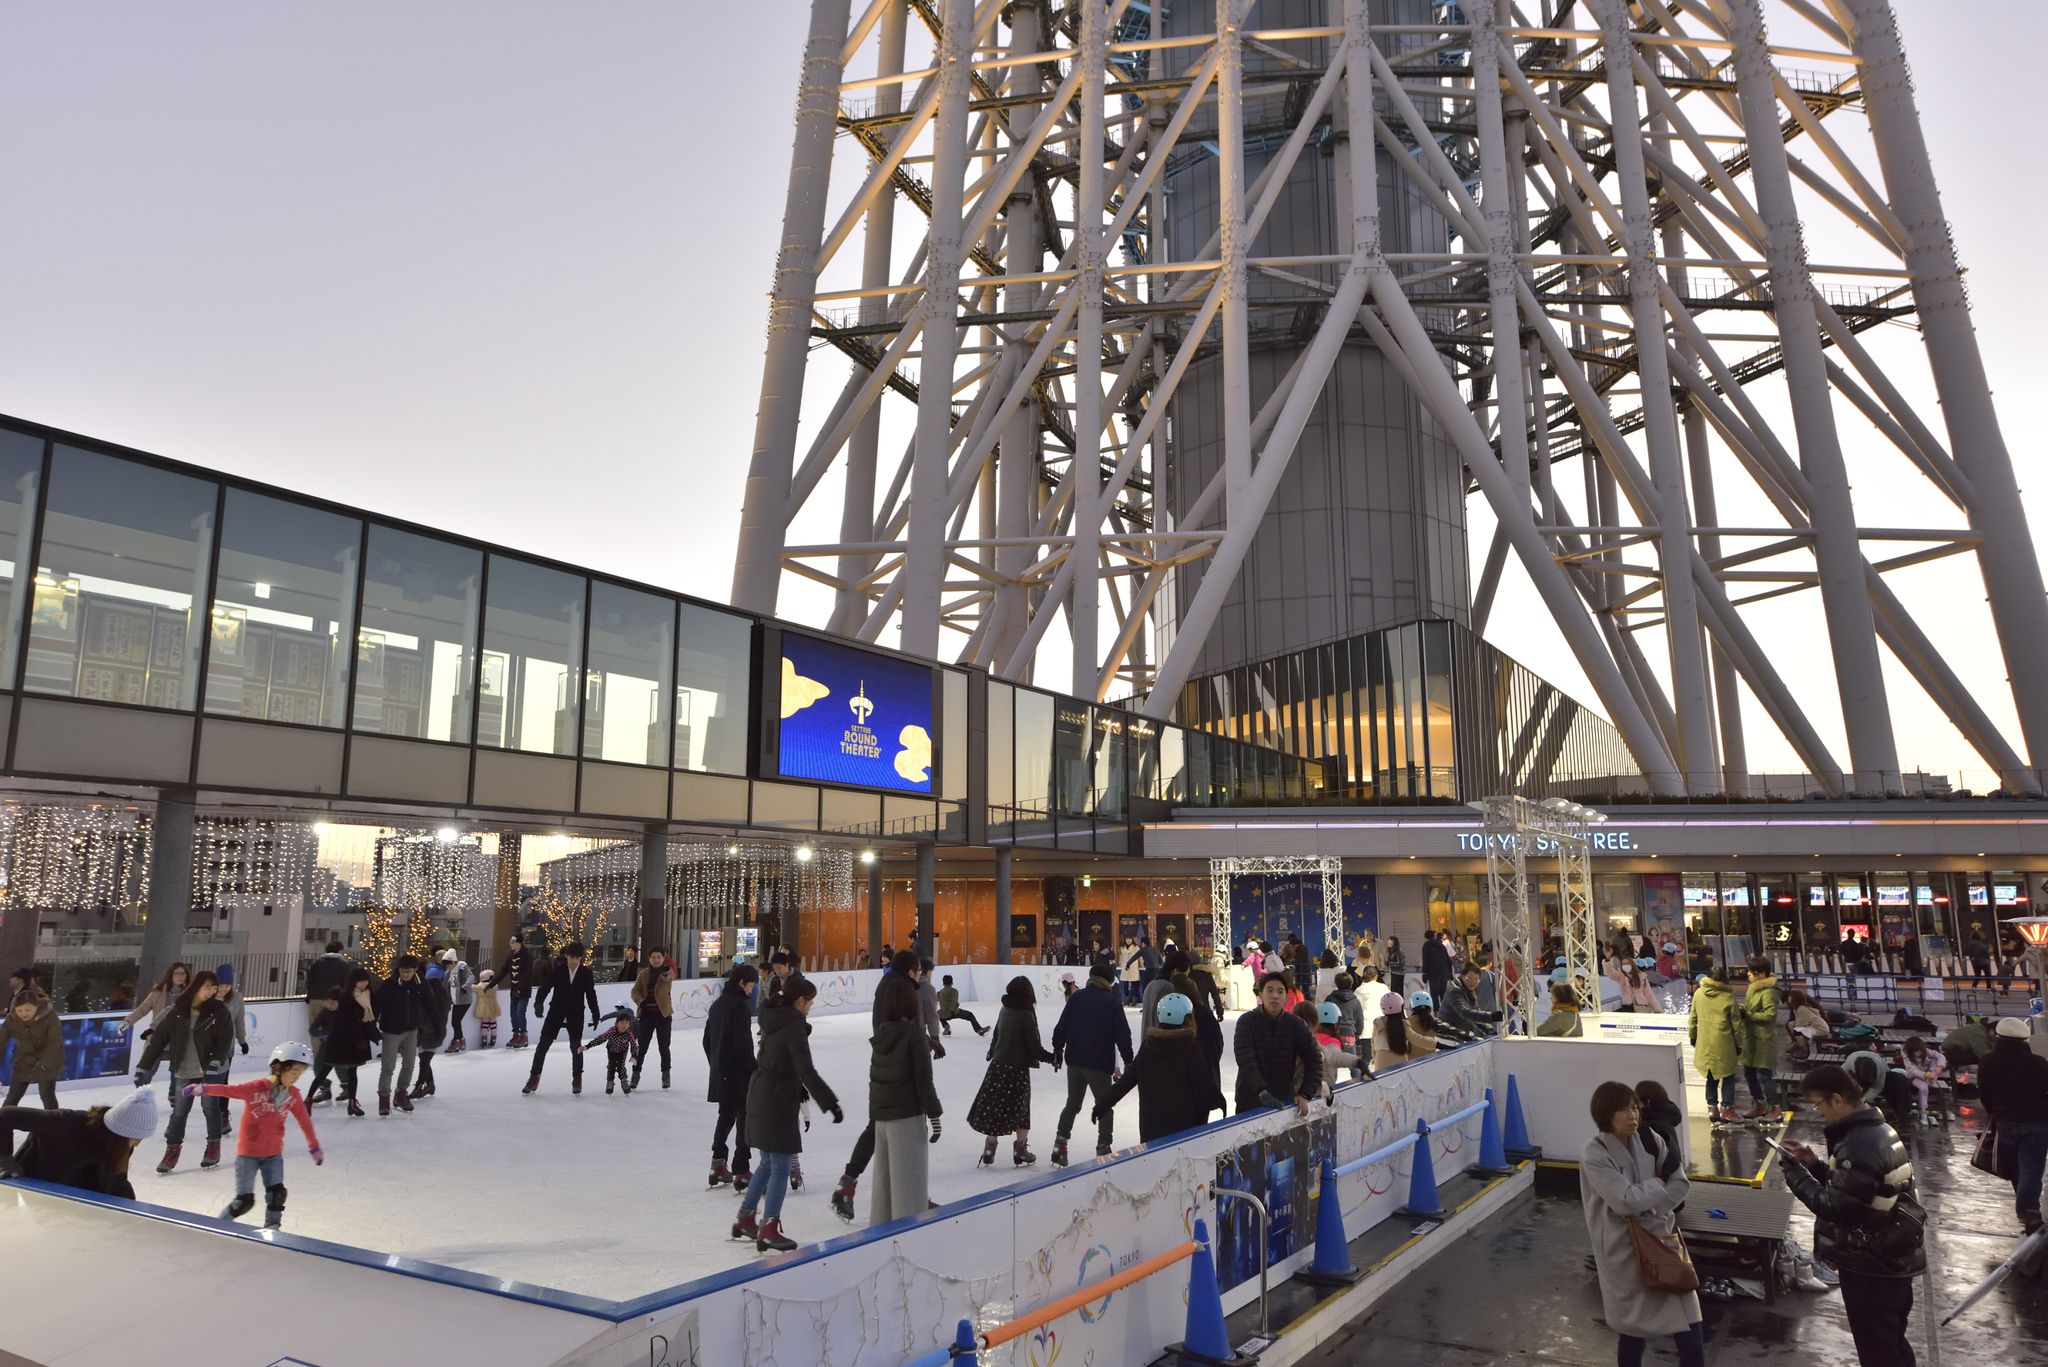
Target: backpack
[1860,1030]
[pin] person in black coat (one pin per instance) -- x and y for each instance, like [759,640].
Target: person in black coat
[1208,1028]
[2012,1082]
[905,963]
[782,1079]
[326,976]
[351,1031]
[1436,964]
[1661,1115]
[572,986]
[404,1009]
[434,1032]
[197,1030]
[1091,1035]
[1268,1043]
[1176,1085]
[88,1150]
[729,1052]
[1003,1105]
[516,975]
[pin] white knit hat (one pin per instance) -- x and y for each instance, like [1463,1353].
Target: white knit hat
[2013,1027]
[134,1115]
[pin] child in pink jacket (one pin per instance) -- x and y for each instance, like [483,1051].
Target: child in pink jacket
[259,1144]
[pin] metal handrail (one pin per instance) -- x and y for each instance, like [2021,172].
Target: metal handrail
[1074,1300]
[1265,1248]
[1409,1141]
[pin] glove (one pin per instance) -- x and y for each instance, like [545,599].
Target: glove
[1094,1115]
[1271,1102]
[245,1046]
[319,1156]
[838,1116]
[1116,1077]
[147,1033]
[935,1129]
[193,1089]
[938,1051]
[141,1078]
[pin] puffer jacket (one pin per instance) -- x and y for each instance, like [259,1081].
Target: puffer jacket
[38,1045]
[461,984]
[1208,1030]
[1867,1218]
[2013,1083]
[1092,1031]
[211,1028]
[729,1046]
[782,1076]
[1716,1047]
[1267,1047]
[1350,1012]
[900,1073]
[1176,1085]
[402,1005]
[1760,1024]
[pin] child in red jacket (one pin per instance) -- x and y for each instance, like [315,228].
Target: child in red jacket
[259,1144]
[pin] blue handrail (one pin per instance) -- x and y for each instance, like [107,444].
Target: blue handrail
[1408,1141]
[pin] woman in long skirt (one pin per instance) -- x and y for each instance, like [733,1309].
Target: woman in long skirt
[1003,1105]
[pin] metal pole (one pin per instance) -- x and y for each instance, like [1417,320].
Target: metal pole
[1232,279]
[1501,264]
[874,911]
[1084,596]
[1852,632]
[1004,917]
[170,883]
[2012,573]
[927,896]
[925,558]
[757,572]
[651,915]
[1259,1208]
[878,241]
[1018,452]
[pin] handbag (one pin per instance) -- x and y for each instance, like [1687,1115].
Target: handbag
[2001,1160]
[1662,1261]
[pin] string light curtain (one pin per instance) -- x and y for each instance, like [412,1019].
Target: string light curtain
[60,858]
[739,875]
[586,890]
[236,859]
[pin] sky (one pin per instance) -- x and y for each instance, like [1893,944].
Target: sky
[502,268]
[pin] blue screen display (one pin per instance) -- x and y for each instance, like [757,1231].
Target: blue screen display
[855,717]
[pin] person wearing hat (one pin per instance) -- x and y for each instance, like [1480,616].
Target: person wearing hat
[487,1009]
[1716,1032]
[230,996]
[434,1033]
[1421,1023]
[259,1143]
[88,1150]
[2012,1082]
[1068,987]
[517,975]
[618,1045]
[1176,1086]
[1091,1034]
[1669,962]
[461,993]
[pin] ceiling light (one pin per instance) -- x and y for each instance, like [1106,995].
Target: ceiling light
[446,835]
[262,589]
[867,856]
[804,853]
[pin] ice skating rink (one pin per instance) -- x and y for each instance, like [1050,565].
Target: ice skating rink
[593,1193]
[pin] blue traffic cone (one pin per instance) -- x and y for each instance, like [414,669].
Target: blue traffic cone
[1332,1265]
[1493,1158]
[962,1350]
[1208,1339]
[1517,1143]
[1423,1201]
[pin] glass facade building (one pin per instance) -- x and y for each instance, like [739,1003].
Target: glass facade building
[1424,711]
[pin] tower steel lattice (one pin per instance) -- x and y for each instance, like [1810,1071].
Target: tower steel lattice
[1067,251]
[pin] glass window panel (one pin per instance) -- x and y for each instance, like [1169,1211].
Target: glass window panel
[124,558]
[1034,752]
[533,644]
[1171,782]
[1072,748]
[283,605]
[415,651]
[630,684]
[1001,710]
[21,470]
[714,664]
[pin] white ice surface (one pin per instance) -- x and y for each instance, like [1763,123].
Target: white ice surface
[593,1193]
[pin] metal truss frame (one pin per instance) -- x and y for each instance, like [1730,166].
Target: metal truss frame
[1512,828]
[1223,869]
[1626,283]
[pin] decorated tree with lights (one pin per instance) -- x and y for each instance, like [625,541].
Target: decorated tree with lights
[380,940]
[560,922]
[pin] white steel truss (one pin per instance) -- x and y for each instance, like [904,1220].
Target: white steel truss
[1628,190]
[1513,828]
[1328,867]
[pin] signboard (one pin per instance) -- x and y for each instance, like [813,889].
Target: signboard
[710,946]
[94,1046]
[747,942]
[854,716]
[1601,840]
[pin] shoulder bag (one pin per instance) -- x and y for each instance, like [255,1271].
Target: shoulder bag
[1661,1259]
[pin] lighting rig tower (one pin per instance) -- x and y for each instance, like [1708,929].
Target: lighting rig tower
[1198,325]
[1515,829]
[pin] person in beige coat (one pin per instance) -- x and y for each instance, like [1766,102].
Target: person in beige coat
[1625,1173]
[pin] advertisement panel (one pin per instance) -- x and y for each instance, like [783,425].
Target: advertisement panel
[1284,1171]
[854,716]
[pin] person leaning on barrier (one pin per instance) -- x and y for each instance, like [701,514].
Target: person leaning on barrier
[1462,1014]
[1268,1042]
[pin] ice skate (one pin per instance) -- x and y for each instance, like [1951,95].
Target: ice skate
[771,1239]
[354,1107]
[744,1227]
[1022,1156]
[402,1102]
[532,1084]
[664,1079]
[1059,1153]
[720,1174]
[170,1158]
[1104,1151]
[842,1197]
[796,1175]
[383,1103]
[211,1158]
[988,1154]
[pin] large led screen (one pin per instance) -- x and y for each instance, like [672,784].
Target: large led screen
[852,716]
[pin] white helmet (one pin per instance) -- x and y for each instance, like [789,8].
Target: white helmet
[291,1051]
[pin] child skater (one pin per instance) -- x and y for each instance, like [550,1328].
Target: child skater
[259,1144]
[487,1009]
[618,1051]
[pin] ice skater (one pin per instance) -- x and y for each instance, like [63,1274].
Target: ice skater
[434,1033]
[516,975]
[782,1078]
[570,983]
[729,1052]
[902,1103]
[197,1036]
[38,1037]
[351,1031]
[906,966]
[1175,1081]
[88,1150]
[487,1010]
[651,993]
[949,1010]
[403,1008]
[1003,1105]
[1089,1038]
[259,1143]
[617,1044]
[461,996]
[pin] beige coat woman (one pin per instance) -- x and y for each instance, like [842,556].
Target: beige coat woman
[1617,1182]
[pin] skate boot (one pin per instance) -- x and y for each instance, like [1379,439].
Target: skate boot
[355,1107]
[720,1174]
[322,1092]
[383,1103]
[402,1102]
[771,1239]
[610,1083]
[576,1086]
[211,1158]
[531,1083]
[420,1091]
[796,1175]
[1020,1155]
[273,1206]
[635,1082]
[988,1154]
[741,1179]
[1059,1153]
[744,1227]
[1104,1151]
[664,1080]
[170,1159]
[842,1197]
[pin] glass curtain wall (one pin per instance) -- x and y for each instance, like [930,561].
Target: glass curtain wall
[21,474]
[533,649]
[630,686]
[416,649]
[283,603]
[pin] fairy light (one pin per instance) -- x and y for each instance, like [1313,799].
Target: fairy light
[82,858]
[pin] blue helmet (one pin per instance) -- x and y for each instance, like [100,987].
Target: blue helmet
[1420,1000]
[1560,974]
[1328,1013]
[1174,1009]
